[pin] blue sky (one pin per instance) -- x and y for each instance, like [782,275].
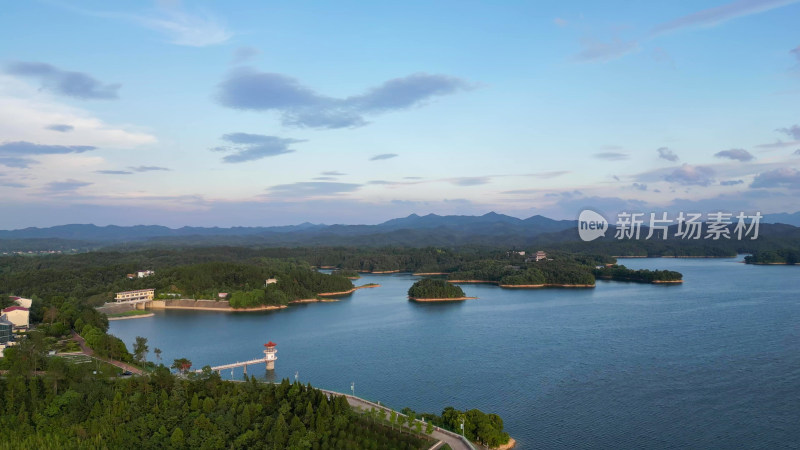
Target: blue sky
[271,113]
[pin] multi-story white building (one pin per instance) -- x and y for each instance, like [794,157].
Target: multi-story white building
[19,316]
[135,296]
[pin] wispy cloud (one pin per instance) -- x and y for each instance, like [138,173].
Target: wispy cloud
[470,181]
[113,172]
[29,148]
[792,131]
[691,175]
[147,168]
[383,156]
[250,147]
[594,50]
[720,14]
[611,156]
[600,51]
[67,186]
[778,144]
[311,189]
[736,154]
[778,178]
[666,153]
[248,89]
[60,127]
[17,162]
[731,182]
[548,175]
[63,82]
[181,27]
[333,173]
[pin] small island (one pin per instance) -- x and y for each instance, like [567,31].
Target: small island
[622,273]
[434,290]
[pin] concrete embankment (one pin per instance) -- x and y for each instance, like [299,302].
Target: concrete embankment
[206,305]
[135,316]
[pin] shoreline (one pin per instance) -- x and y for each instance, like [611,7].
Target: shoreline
[770,264]
[429,300]
[672,256]
[347,292]
[422,274]
[136,316]
[521,286]
[510,444]
[224,305]
[537,286]
[227,308]
[632,280]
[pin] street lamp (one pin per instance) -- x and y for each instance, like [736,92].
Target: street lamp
[462,425]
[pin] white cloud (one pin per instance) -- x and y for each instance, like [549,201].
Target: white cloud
[25,113]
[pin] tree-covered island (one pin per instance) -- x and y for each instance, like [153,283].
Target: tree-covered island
[431,289]
[622,273]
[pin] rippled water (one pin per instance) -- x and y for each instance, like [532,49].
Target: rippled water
[714,362]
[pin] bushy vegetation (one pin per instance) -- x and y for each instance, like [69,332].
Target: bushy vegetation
[784,256]
[561,270]
[349,273]
[434,288]
[95,277]
[485,429]
[70,407]
[622,273]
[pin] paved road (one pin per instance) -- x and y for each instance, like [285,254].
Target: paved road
[86,350]
[454,440]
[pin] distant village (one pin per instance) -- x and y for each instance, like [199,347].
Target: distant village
[536,257]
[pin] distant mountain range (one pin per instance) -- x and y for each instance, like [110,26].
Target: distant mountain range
[411,230]
[489,229]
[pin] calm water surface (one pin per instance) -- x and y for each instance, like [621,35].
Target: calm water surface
[714,362]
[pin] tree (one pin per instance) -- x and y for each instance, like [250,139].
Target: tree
[177,439]
[392,418]
[157,352]
[140,349]
[182,365]
[56,371]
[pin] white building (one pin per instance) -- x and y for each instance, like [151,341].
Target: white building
[24,302]
[19,316]
[135,296]
[144,273]
[271,281]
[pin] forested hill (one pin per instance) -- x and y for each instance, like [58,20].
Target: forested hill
[416,231]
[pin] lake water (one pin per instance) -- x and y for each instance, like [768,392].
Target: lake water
[714,362]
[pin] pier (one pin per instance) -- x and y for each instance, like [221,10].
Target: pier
[270,356]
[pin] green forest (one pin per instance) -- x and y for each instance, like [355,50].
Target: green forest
[562,269]
[96,277]
[71,407]
[434,288]
[783,256]
[622,273]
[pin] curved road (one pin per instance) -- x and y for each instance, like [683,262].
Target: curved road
[454,440]
[89,352]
